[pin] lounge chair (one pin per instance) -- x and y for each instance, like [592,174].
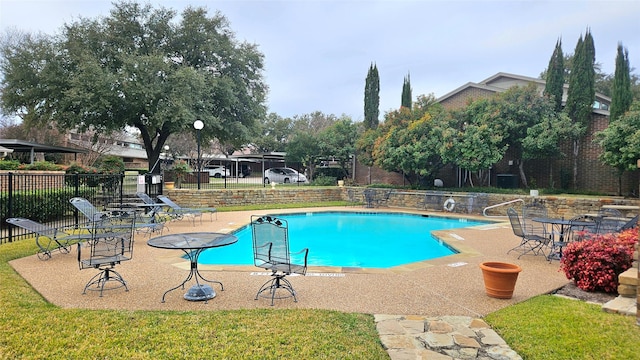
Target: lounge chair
[631,224]
[149,223]
[49,238]
[606,212]
[88,209]
[149,201]
[612,225]
[271,252]
[181,211]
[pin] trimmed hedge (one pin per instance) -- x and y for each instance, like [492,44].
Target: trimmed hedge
[42,206]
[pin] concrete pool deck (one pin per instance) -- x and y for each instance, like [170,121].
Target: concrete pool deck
[449,286]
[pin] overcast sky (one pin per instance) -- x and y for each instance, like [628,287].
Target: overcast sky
[317,53]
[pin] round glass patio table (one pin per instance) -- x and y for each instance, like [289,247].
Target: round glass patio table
[192,244]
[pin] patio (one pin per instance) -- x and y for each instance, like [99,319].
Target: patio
[448,286]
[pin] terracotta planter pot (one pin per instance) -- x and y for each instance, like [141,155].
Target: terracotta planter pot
[499,278]
[169,184]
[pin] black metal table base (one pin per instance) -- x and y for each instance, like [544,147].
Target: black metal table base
[198,292]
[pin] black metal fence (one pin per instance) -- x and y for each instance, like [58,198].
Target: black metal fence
[45,197]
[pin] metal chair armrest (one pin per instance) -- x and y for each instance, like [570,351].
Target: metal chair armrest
[304,251]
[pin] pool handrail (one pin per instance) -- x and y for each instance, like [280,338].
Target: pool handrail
[484,211]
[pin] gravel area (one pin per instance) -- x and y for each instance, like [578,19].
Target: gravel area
[572,291]
[451,285]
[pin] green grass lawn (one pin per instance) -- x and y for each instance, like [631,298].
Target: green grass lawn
[545,327]
[550,327]
[34,329]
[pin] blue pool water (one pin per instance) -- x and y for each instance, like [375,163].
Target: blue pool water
[347,239]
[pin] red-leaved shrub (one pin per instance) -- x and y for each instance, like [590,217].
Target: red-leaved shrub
[595,263]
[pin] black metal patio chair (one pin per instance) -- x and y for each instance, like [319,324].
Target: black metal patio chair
[531,211]
[581,225]
[530,243]
[351,197]
[111,244]
[369,196]
[271,252]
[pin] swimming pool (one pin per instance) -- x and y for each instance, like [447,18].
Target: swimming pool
[351,239]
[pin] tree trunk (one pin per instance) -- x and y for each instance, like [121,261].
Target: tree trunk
[576,151]
[619,184]
[523,177]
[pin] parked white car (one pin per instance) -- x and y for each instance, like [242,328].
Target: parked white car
[218,172]
[283,175]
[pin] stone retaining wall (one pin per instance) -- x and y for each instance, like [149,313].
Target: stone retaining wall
[238,197]
[471,203]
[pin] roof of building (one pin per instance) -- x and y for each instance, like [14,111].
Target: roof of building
[502,81]
[27,146]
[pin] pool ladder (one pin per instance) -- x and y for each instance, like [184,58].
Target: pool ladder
[484,211]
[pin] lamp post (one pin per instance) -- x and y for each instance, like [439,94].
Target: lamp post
[166,150]
[198,125]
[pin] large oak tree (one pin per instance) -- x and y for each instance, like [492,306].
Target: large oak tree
[139,67]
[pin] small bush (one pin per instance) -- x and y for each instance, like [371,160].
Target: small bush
[111,165]
[41,165]
[325,181]
[9,164]
[76,168]
[594,264]
[334,172]
[180,168]
[85,175]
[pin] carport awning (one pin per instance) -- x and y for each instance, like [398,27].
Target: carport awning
[273,156]
[16,145]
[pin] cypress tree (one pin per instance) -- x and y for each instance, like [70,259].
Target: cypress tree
[574,92]
[372,98]
[581,93]
[406,93]
[590,71]
[555,76]
[621,96]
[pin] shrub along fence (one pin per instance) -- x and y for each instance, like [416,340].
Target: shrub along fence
[44,196]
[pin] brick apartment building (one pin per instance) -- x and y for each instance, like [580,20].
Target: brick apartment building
[592,174]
